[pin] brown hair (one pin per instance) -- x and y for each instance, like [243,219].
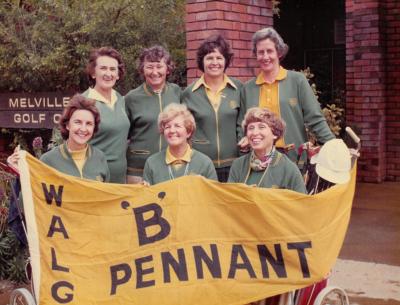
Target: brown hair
[155,54]
[209,45]
[103,51]
[78,102]
[256,114]
[174,110]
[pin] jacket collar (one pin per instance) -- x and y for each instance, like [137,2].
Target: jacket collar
[66,154]
[281,75]
[149,91]
[201,82]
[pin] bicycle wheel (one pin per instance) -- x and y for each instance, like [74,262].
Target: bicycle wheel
[21,296]
[332,295]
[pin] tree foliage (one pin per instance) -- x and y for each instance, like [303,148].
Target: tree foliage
[45,44]
[333,112]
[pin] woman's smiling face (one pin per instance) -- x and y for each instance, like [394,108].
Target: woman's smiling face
[105,73]
[214,64]
[155,73]
[267,55]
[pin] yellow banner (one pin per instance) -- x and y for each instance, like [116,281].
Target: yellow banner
[187,241]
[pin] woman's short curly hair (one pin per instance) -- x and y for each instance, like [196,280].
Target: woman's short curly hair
[174,110]
[155,54]
[257,114]
[270,33]
[209,45]
[103,51]
[78,102]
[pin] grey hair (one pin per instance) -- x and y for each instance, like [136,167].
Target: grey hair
[269,33]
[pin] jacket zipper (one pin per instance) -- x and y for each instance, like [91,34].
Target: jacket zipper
[160,103]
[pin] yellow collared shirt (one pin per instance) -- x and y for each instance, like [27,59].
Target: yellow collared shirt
[214,97]
[170,159]
[79,157]
[95,95]
[269,95]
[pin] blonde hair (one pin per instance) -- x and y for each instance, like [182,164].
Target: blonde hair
[174,110]
[257,114]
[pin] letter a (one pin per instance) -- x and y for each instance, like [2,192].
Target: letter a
[53,227]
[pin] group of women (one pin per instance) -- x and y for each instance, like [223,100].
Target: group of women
[158,132]
[217,127]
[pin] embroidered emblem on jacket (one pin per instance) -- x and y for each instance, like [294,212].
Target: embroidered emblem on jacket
[233,104]
[293,101]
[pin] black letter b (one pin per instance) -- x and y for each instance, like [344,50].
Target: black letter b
[156,219]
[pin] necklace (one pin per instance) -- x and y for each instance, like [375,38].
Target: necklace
[171,175]
[260,165]
[262,177]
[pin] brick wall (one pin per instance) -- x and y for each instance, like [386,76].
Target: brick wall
[373,84]
[365,84]
[372,67]
[392,22]
[236,20]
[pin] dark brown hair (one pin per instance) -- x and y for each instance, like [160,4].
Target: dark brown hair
[78,102]
[103,51]
[155,54]
[209,45]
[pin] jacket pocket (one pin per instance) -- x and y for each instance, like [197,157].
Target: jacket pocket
[196,141]
[140,152]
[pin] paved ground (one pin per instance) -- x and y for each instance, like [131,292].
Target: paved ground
[369,264]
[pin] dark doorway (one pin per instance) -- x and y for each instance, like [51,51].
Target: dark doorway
[315,33]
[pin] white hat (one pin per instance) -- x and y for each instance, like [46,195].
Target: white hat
[333,162]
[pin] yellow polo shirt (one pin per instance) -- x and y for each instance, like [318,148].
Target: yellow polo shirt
[95,95]
[214,97]
[178,162]
[269,96]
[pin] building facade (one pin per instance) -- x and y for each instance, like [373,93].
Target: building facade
[371,66]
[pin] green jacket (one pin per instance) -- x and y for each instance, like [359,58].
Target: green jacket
[59,158]
[281,173]
[216,134]
[298,107]
[112,137]
[143,106]
[156,169]
[95,167]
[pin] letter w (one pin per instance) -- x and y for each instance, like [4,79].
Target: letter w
[50,195]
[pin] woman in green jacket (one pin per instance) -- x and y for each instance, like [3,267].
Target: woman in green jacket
[285,93]
[144,104]
[177,125]
[104,69]
[265,166]
[79,122]
[214,100]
